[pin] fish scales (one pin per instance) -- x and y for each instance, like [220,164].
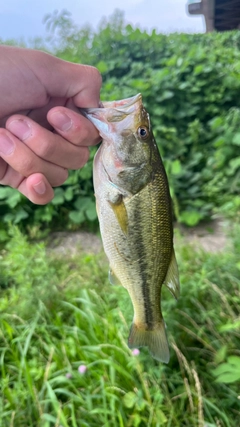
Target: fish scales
[135,216]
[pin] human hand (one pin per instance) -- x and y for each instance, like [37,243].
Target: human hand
[41,133]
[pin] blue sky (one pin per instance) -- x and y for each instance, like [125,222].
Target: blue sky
[24,18]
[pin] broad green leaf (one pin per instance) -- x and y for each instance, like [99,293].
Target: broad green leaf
[179,62]
[198,69]
[176,167]
[129,399]
[220,355]
[236,139]
[235,361]
[234,165]
[14,198]
[228,372]
[161,417]
[230,326]
[228,377]
[219,142]
[3,236]
[102,66]
[19,215]
[216,122]
[167,94]
[9,217]
[69,193]
[4,192]
[190,218]
[137,419]
[82,203]
[140,404]
[58,196]
[77,217]
[91,212]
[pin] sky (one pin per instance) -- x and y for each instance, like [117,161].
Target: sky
[23,19]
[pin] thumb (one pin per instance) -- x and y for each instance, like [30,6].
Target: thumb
[65,79]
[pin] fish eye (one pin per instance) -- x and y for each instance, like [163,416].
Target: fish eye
[143,132]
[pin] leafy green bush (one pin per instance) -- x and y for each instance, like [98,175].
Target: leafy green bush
[190,85]
[63,353]
[72,205]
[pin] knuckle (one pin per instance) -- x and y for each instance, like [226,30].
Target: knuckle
[97,77]
[83,137]
[94,76]
[3,170]
[81,159]
[65,174]
[60,178]
[79,135]
[46,150]
[28,165]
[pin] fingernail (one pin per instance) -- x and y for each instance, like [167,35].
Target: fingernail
[40,187]
[6,145]
[61,121]
[20,128]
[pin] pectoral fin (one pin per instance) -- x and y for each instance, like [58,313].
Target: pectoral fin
[120,212]
[172,277]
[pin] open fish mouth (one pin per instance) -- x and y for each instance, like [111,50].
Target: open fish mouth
[112,111]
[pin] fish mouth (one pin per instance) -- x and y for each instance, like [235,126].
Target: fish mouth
[111,112]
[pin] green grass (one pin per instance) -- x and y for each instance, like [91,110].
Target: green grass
[57,315]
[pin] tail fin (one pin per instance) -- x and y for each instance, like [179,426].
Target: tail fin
[155,340]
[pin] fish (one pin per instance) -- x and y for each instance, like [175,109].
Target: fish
[135,216]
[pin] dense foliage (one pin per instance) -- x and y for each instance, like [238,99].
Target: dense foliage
[190,85]
[64,359]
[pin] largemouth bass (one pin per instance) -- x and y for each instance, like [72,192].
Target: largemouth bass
[135,216]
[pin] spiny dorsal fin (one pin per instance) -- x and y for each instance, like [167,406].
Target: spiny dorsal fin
[172,277]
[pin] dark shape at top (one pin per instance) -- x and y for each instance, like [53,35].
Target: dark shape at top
[220,15]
